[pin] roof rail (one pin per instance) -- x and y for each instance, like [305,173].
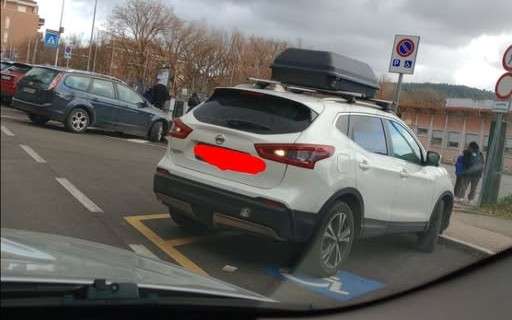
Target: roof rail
[350,97]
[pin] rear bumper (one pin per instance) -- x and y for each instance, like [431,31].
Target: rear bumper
[44,109]
[220,208]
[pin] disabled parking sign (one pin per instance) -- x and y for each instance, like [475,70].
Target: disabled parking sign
[343,286]
[403,55]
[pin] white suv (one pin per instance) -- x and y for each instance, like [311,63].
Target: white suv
[302,167]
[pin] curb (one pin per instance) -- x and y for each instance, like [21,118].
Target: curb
[466,245]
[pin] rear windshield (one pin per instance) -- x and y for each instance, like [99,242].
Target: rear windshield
[41,75]
[254,112]
[20,68]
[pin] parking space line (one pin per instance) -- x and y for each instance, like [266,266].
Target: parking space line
[7,132]
[138,141]
[165,246]
[81,197]
[37,158]
[467,244]
[11,117]
[142,250]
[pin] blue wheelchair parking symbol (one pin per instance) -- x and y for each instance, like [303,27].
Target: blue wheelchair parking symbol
[343,286]
[408,64]
[396,62]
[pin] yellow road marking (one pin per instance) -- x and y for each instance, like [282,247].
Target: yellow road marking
[167,246]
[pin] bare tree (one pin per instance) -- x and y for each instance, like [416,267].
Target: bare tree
[138,24]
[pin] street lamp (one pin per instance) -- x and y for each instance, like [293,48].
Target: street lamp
[92,33]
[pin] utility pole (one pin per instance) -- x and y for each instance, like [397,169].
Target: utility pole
[36,44]
[111,58]
[60,29]
[92,34]
[95,54]
[27,58]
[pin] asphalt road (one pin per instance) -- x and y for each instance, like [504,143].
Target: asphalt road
[41,168]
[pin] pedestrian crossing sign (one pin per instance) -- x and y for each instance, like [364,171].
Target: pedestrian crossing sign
[51,39]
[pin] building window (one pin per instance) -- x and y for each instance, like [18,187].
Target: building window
[6,36]
[437,138]
[422,132]
[453,139]
[472,137]
[22,9]
[7,22]
[508,144]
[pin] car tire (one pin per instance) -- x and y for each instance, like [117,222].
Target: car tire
[78,120]
[427,240]
[332,242]
[39,120]
[157,132]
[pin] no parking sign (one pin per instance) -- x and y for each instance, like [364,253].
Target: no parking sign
[403,55]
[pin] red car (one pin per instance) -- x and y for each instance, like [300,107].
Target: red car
[9,77]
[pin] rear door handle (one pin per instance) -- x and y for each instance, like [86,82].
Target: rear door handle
[404,173]
[364,165]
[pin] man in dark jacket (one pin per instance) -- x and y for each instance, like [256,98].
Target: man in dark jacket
[157,95]
[193,101]
[473,164]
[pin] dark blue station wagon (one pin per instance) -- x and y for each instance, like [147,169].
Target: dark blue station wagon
[81,99]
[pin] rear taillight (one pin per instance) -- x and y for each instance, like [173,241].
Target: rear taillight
[300,155]
[179,130]
[55,81]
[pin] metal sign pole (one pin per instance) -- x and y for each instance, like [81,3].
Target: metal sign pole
[60,28]
[396,93]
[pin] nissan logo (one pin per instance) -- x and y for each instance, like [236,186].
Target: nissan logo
[220,139]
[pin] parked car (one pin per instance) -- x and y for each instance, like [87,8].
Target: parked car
[4,64]
[9,77]
[304,167]
[81,99]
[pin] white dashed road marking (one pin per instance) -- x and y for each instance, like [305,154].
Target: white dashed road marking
[138,141]
[82,198]
[142,250]
[7,132]
[32,153]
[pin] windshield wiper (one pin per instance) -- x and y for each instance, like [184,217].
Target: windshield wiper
[98,290]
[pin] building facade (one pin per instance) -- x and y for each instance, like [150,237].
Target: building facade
[449,129]
[19,23]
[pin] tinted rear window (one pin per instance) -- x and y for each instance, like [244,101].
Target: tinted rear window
[20,68]
[255,112]
[41,75]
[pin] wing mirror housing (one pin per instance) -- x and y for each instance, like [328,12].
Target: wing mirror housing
[433,159]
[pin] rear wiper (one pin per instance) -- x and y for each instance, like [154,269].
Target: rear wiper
[241,124]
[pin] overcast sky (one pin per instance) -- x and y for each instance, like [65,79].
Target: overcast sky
[462,41]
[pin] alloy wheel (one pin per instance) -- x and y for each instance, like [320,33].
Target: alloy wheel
[335,240]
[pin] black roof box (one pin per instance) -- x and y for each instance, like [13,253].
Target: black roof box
[324,70]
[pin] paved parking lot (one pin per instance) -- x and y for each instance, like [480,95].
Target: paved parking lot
[98,187]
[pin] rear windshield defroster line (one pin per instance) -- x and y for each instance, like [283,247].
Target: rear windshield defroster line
[254,112]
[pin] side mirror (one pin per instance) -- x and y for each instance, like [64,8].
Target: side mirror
[433,159]
[142,104]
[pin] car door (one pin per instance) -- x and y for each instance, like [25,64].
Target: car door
[131,115]
[102,97]
[413,198]
[375,179]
